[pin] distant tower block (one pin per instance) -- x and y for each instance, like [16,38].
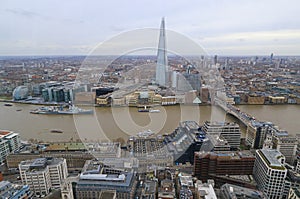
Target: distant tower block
[162,59]
[215,59]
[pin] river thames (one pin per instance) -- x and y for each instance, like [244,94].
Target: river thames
[111,123]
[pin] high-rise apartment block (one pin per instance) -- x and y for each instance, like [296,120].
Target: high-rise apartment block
[269,172]
[9,142]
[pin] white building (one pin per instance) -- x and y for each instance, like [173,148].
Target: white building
[4,150]
[287,145]
[205,190]
[269,172]
[230,131]
[42,174]
[9,142]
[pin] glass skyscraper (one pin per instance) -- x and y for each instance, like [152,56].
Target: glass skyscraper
[162,59]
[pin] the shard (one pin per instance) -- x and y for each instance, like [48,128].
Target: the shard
[162,59]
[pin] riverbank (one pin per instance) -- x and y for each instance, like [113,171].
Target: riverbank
[137,106]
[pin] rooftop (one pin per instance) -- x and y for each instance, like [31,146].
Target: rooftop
[40,163]
[5,132]
[8,134]
[221,124]
[186,181]
[206,191]
[272,157]
[234,191]
[228,154]
[93,173]
[114,180]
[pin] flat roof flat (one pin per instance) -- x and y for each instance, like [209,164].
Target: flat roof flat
[124,183]
[272,156]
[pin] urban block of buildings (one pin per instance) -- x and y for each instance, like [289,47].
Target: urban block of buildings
[43,174]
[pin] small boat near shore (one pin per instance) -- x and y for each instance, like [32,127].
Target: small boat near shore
[154,111]
[56,131]
[8,104]
[145,109]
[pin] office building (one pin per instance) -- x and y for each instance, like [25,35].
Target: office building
[194,80]
[184,141]
[215,59]
[183,84]
[96,178]
[57,92]
[14,141]
[9,143]
[105,149]
[256,134]
[43,174]
[162,58]
[292,181]
[14,191]
[4,148]
[230,131]
[210,165]
[229,191]
[287,145]
[270,173]
[204,94]
[150,152]
[215,143]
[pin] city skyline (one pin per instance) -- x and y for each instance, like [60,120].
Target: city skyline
[220,27]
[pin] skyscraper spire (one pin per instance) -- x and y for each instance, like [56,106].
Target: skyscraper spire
[162,59]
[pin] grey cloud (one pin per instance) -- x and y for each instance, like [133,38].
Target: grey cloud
[25,13]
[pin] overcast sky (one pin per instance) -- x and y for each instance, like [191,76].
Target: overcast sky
[223,27]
